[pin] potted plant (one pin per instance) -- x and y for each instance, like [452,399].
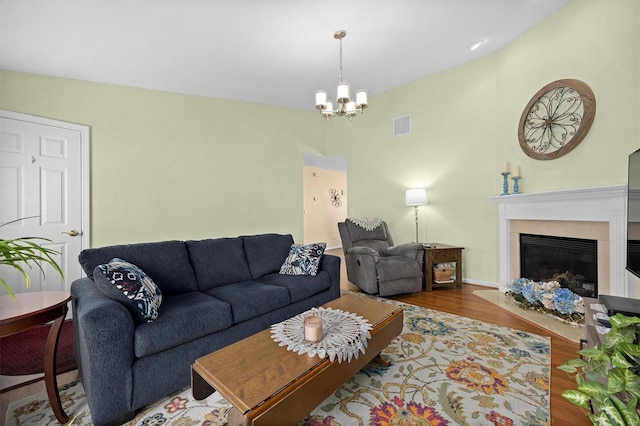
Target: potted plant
[608,377]
[25,252]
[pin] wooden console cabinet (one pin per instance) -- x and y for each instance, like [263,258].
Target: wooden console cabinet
[442,253]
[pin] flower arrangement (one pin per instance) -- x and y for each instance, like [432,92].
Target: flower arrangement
[548,297]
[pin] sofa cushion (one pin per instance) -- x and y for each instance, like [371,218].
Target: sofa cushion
[183,318]
[249,299]
[218,262]
[300,287]
[266,252]
[167,262]
[128,284]
[303,259]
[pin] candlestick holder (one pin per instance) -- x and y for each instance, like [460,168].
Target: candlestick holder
[505,185]
[516,187]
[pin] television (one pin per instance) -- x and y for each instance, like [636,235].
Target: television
[633,215]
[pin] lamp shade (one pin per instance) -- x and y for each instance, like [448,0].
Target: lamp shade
[416,197]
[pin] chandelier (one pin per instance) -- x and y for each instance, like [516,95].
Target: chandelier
[346,107]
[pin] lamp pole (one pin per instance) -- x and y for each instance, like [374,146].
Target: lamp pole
[416,197]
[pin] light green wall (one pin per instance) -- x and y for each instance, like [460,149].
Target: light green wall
[170,166]
[450,151]
[464,128]
[175,166]
[597,42]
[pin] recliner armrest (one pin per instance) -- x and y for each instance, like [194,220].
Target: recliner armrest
[410,250]
[363,251]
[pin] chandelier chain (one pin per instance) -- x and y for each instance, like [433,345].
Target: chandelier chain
[340,69]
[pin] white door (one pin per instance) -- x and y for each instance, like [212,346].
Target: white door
[44,177]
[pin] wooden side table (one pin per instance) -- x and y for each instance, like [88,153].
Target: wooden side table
[33,309]
[442,253]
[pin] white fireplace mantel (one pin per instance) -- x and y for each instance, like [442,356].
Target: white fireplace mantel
[602,204]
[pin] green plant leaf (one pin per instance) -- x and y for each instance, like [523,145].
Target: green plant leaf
[629,411]
[591,353]
[24,252]
[577,398]
[612,413]
[593,389]
[6,287]
[623,321]
[618,359]
[572,365]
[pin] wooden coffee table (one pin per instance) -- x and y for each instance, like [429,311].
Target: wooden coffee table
[269,385]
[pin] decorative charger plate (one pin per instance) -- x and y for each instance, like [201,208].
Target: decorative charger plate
[344,334]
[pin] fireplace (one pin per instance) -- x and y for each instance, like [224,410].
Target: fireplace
[592,213]
[573,262]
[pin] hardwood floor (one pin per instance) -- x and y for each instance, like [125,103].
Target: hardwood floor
[464,303]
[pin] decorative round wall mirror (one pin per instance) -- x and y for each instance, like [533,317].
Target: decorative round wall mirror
[556,119]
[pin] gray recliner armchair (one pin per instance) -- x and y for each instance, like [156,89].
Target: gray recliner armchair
[374,264]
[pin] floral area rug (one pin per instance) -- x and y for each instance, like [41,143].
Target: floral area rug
[445,370]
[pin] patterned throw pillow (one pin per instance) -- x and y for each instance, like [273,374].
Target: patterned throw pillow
[303,260]
[125,282]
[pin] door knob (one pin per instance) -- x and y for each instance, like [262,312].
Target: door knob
[72,233]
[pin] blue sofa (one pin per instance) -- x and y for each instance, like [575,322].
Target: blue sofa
[214,292]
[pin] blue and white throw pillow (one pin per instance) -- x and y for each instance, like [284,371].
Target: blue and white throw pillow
[125,282]
[303,259]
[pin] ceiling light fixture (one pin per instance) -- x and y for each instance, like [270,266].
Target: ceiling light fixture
[476,44]
[345,106]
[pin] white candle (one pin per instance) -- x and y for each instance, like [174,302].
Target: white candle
[506,167]
[361,99]
[516,171]
[343,92]
[321,98]
[313,328]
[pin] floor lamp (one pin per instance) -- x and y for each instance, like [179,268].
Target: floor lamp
[416,197]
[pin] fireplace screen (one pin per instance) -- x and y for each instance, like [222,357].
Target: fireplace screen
[573,262]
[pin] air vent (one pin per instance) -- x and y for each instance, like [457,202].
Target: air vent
[402,125]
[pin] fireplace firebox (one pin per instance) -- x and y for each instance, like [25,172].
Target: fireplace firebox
[573,262]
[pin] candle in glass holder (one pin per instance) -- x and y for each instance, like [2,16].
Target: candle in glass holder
[313,328]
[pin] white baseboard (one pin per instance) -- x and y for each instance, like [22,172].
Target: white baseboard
[482,283]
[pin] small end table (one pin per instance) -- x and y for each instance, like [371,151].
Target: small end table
[442,253]
[33,309]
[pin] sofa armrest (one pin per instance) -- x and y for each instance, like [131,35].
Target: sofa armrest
[331,264]
[410,250]
[103,332]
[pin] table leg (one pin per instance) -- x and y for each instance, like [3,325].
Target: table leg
[50,378]
[380,360]
[459,269]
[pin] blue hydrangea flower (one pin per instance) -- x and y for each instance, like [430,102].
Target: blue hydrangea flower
[564,300]
[529,292]
[516,285]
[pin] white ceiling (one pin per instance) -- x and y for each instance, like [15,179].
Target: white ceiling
[276,52]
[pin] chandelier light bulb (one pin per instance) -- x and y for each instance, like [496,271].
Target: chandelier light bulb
[346,107]
[361,99]
[343,93]
[328,112]
[321,99]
